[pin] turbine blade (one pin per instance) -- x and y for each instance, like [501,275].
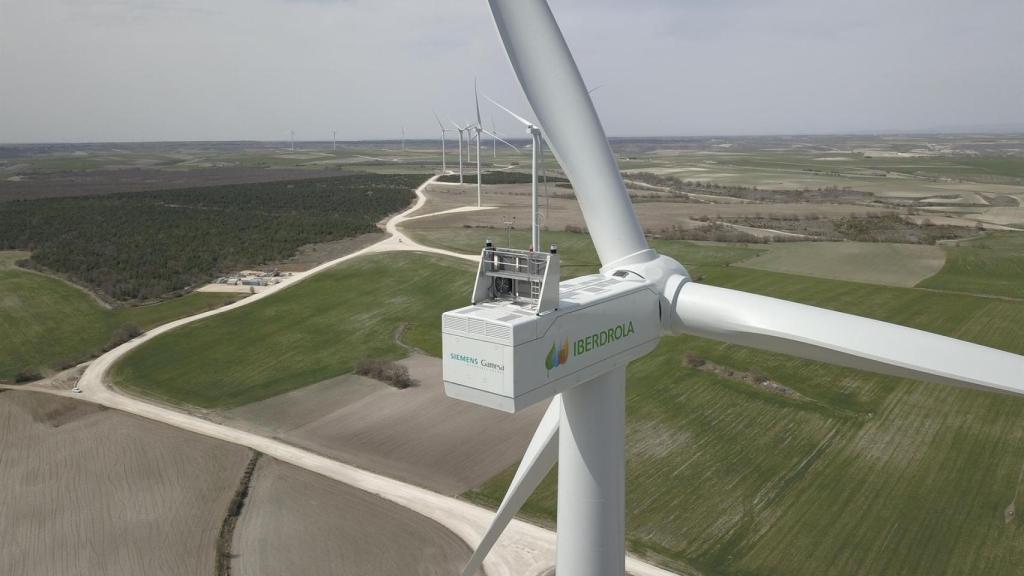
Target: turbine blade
[552,83]
[843,339]
[499,139]
[439,123]
[540,457]
[524,121]
[476,97]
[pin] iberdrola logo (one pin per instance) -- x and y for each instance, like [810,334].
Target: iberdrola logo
[557,356]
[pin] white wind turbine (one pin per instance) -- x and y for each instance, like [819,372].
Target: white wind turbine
[535,133]
[460,130]
[479,130]
[444,157]
[491,348]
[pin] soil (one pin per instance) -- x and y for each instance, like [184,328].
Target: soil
[417,435]
[85,490]
[297,522]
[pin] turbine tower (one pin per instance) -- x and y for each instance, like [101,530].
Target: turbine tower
[334,140]
[478,129]
[291,134]
[535,133]
[591,327]
[403,138]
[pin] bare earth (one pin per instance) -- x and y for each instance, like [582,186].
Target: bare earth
[91,491]
[514,200]
[889,264]
[298,522]
[417,435]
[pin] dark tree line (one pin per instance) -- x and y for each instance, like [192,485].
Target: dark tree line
[145,245]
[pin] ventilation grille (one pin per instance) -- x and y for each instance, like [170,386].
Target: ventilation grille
[478,327]
[456,323]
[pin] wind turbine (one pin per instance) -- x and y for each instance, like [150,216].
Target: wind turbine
[534,131]
[403,138]
[292,135]
[493,349]
[460,129]
[444,159]
[334,140]
[479,130]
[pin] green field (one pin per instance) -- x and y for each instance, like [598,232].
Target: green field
[993,264]
[303,335]
[46,324]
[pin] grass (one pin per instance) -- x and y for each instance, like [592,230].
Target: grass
[993,264]
[313,331]
[46,324]
[872,262]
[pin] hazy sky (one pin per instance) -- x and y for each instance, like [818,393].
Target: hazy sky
[120,70]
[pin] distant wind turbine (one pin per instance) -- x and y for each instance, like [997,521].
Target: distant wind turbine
[535,133]
[479,129]
[460,130]
[444,164]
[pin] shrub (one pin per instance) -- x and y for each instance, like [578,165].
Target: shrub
[123,334]
[693,360]
[392,373]
[27,376]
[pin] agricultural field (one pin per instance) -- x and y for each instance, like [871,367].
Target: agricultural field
[47,324]
[147,245]
[114,494]
[296,522]
[993,264]
[55,170]
[283,342]
[872,262]
[417,435]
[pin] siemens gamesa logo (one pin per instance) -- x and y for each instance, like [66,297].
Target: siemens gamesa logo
[474,361]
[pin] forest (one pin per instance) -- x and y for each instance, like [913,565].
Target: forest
[145,245]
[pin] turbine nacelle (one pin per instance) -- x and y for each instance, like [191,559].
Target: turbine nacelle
[526,337]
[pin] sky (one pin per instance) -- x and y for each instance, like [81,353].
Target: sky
[152,70]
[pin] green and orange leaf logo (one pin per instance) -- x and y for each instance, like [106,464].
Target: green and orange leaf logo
[557,355]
